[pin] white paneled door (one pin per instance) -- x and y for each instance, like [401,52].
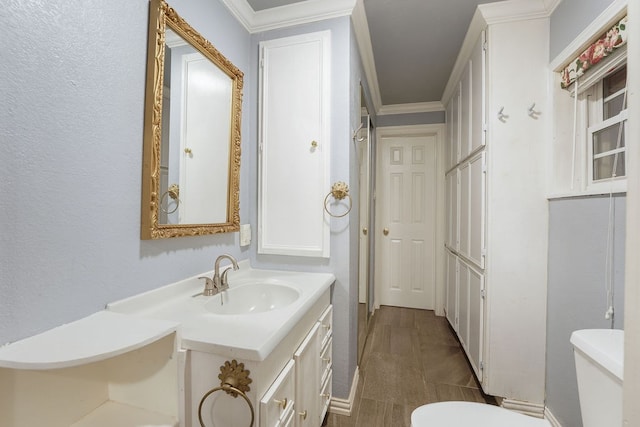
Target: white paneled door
[406,224]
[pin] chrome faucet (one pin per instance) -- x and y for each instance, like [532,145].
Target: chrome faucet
[219,282]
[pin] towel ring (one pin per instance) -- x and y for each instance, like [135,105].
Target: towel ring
[339,191]
[235,382]
[174,193]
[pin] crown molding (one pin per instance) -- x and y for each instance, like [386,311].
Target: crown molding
[285,16]
[417,107]
[363,38]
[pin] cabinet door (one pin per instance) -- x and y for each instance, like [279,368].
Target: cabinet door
[472,209]
[476,320]
[452,290]
[279,400]
[307,358]
[478,119]
[453,129]
[294,145]
[466,113]
[452,202]
[463,304]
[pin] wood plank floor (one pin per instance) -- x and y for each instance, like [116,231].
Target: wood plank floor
[411,357]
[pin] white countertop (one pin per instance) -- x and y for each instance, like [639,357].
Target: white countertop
[247,336]
[97,337]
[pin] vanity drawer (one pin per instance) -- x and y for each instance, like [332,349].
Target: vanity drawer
[326,325]
[325,395]
[325,360]
[278,402]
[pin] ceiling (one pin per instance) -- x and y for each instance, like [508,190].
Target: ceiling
[409,46]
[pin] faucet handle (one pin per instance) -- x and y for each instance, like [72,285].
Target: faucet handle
[224,282]
[209,287]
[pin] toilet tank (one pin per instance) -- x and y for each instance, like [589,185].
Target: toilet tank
[599,366]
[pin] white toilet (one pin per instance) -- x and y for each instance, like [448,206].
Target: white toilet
[599,364]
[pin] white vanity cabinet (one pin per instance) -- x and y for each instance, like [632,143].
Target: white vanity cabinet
[291,387]
[496,210]
[294,144]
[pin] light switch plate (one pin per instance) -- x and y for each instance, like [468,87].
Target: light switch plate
[245,234]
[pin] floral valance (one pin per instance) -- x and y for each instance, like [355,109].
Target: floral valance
[603,47]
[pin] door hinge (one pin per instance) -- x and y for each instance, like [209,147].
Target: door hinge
[481,365]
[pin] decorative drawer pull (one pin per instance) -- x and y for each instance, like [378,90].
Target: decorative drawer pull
[282,402]
[304,414]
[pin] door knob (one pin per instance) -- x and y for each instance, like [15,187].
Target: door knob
[364,230]
[385,231]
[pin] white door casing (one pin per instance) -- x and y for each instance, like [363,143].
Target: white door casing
[409,251]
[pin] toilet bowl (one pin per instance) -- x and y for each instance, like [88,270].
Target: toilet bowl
[466,414]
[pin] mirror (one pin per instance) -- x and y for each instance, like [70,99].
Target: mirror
[191,153]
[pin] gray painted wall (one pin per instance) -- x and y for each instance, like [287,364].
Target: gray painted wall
[569,19]
[576,296]
[410,119]
[72,82]
[578,230]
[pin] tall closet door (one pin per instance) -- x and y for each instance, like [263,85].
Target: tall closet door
[294,145]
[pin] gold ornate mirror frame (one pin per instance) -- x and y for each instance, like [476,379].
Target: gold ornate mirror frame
[162,15]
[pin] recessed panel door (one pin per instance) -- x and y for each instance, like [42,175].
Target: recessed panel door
[406,227]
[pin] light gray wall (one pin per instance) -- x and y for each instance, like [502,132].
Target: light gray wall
[410,119]
[578,230]
[343,262]
[569,19]
[72,84]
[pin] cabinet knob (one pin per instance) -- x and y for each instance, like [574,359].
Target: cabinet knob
[326,359]
[187,150]
[282,403]
[303,414]
[364,230]
[314,144]
[385,231]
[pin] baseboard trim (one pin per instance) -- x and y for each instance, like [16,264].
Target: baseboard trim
[548,415]
[527,408]
[344,406]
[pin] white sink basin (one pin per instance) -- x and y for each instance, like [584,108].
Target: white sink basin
[252,298]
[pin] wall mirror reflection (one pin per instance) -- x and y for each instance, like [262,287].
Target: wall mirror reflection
[191,159]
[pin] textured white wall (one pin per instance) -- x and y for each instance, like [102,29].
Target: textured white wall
[72,78]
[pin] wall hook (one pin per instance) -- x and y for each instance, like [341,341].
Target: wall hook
[356,138]
[532,112]
[501,116]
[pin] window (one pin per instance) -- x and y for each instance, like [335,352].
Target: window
[606,120]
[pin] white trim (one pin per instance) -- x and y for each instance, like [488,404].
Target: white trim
[417,107]
[363,38]
[551,418]
[285,16]
[527,408]
[344,406]
[616,10]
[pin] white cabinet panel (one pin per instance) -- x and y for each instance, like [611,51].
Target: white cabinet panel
[464,214]
[477,78]
[453,129]
[307,359]
[477,188]
[466,113]
[452,290]
[294,145]
[463,304]
[452,200]
[476,319]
